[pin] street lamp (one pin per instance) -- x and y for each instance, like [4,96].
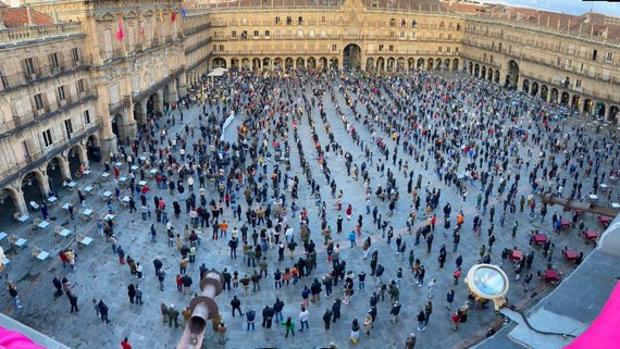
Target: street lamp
[488,281]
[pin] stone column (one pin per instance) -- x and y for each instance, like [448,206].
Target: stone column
[65,169]
[140,111]
[127,125]
[44,184]
[182,84]
[172,92]
[158,106]
[107,137]
[19,201]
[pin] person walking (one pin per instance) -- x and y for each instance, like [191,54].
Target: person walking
[355,331]
[327,318]
[131,292]
[395,311]
[125,344]
[421,320]
[367,324]
[303,319]
[289,325]
[73,301]
[410,342]
[173,316]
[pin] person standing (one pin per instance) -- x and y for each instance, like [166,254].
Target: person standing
[421,320]
[139,295]
[103,311]
[303,319]
[395,311]
[235,303]
[410,342]
[355,331]
[131,292]
[327,318]
[289,325]
[267,316]
[73,300]
[173,316]
[13,292]
[250,317]
[125,344]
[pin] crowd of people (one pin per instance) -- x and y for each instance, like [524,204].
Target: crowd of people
[330,179]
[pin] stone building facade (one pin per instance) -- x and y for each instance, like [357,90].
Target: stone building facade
[71,91]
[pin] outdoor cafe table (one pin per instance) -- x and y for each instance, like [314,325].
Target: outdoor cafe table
[134,167]
[43,224]
[52,199]
[64,233]
[570,254]
[118,164]
[88,189]
[3,235]
[591,234]
[87,212]
[106,194]
[516,255]
[142,183]
[71,184]
[23,218]
[565,223]
[540,238]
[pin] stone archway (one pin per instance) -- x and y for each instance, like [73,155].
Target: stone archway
[420,64]
[266,63]
[311,64]
[455,64]
[576,102]
[352,57]
[429,64]
[526,86]
[587,105]
[411,64]
[370,64]
[256,64]
[476,70]
[56,173]
[544,91]
[10,203]
[483,72]
[277,63]
[93,148]
[333,63]
[33,187]
[391,64]
[600,108]
[76,156]
[380,64]
[300,63]
[245,63]
[512,79]
[496,76]
[565,98]
[323,63]
[471,68]
[234,63]
[613,114]
[534,89]
[554,95]
[400,64]
[438,64]
[218,62]
[289,64]
[446,64]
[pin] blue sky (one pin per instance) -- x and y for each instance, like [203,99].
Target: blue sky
[574,7]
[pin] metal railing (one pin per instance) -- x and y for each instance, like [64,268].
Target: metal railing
[10,36]
[41,73]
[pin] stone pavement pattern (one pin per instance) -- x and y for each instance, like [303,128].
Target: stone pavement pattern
[100,276]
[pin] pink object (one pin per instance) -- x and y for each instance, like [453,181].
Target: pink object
[15,340]
[120,32]
[603,331]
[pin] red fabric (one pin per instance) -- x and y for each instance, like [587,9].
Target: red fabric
[603,331]
[125,345]
[120,32]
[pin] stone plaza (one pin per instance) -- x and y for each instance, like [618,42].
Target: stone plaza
[100,276]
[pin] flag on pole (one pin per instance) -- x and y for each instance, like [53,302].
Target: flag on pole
[173,16]
[183,12]
[120,32]
[161,15]
[141,31]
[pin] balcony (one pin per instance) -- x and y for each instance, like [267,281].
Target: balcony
[13,36]
[41,74]
[21,122]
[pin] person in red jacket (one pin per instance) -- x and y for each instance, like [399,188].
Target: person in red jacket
[125,344]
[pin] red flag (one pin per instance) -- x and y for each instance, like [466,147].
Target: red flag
[120,33]
[173,16]
[141,32]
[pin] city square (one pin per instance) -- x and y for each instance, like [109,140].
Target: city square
[329,206]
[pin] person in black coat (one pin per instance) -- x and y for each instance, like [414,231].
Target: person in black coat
[327,318]
[267,316]
[336,310]
[131,292]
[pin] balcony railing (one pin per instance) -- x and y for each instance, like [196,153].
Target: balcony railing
[20,122]
[10,36]
[41,73]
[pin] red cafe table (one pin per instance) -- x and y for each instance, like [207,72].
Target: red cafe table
[590,235]
[604,220]
[516,256]
[570,255]
[540,238]
[551,275]
[565,223]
